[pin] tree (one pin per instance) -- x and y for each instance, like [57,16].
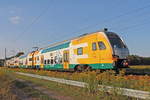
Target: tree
[19,54]
[137,60]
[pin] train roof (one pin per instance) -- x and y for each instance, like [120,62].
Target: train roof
[61,45]
[23,56]
[65,43]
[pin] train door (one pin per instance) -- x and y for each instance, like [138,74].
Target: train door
[42,61]
[94,51]
[33,60]
[105,54]
[26,63]
[66,59]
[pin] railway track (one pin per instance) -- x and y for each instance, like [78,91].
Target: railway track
[128,71]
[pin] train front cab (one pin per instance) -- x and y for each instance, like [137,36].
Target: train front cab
[101,50]
[120,50]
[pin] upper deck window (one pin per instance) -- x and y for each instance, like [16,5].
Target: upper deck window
[30,59]
[115,41]
[101,45]
[51,54]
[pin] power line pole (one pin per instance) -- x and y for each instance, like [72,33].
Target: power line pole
[5,57]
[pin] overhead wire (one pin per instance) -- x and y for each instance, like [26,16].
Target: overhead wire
[89,26]
[33,22]
[133,25]
[113,18]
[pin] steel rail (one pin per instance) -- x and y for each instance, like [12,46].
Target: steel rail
[122,91]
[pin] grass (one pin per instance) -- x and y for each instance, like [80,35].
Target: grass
[141,67]
[92,78]
[30,92]
[75,92]
[95,78]
[9,85]
[5,87]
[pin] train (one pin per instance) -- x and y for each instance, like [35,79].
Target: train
[99,50]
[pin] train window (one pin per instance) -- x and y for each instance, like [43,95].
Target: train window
[51,54]
[115,41]
[48,61]
[101,45]
[30,59]
[44,61]
[80,51]
[94,46]
[52,61]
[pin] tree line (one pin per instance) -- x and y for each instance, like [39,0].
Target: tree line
[137,60]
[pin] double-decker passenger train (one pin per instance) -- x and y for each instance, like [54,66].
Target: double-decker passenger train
[97,50]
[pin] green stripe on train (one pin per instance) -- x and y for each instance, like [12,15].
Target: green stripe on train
[72,66]
[96,66]
[22,66]
[56,66]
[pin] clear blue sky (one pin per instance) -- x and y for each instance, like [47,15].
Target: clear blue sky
[64,19]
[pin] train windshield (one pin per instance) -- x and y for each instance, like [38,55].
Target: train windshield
[115,41]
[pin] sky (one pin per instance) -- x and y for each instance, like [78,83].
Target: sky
[28,23]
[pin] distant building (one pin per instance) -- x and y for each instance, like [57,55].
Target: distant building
[2,62]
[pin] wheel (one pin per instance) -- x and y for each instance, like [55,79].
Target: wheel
[117,71]
[87,68]
[78,68]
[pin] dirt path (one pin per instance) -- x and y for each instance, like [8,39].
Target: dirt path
[24,94]
[20,94]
